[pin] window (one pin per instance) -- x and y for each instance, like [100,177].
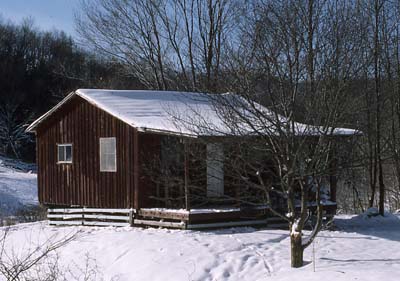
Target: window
[64,153]
[108,155]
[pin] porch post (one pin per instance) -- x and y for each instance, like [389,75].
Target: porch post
[136,169]
[186,164]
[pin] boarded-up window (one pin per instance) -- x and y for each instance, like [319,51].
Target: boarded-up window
[215,170]
[64,153]
[108,155]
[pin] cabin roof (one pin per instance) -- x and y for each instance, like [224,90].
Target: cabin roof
[178,113]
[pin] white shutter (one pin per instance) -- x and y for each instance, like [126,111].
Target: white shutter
[108,155]
[215,170]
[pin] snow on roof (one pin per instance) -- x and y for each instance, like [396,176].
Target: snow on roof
[158,111]
[180,113]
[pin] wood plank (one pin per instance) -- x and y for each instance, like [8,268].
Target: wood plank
[99,210]
[227,224]
[88,210]
[186,179]
[91,145]
[180,225]
[98,223]
[59,175]
[228,215]
[115,187]
[65,222]
[127,166]
[136,169]
[94,160]
[106,217]
[163,214]
[78,152]
[64,217]
[85,147]
[65,210]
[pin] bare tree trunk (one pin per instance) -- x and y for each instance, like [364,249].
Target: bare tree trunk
[296,250]
[296,245]
[377,71]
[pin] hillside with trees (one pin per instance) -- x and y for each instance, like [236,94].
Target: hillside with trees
[37,70]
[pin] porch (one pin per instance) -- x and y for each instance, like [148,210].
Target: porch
[193,184]
[198,218]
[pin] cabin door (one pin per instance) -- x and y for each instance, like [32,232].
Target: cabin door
[215,170]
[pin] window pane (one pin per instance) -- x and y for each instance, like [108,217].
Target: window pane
[68,153]
[109,162]
[61,154]
[102,163]
[104,146]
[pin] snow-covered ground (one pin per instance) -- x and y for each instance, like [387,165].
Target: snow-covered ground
[360,248]
[18,187]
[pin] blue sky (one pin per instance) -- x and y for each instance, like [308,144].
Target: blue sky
[47,14]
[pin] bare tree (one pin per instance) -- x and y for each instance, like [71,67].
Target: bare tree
[42,260]
[12,128]
[305,79]
[39,263]
[167,44]
[379,29]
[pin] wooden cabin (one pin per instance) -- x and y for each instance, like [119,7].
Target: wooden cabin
[100,153]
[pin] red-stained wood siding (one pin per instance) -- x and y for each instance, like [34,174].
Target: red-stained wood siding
[81,183]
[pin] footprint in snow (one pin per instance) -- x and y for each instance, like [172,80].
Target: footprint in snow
[246,257]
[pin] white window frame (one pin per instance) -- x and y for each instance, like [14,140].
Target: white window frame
[64,145]
[102,154]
